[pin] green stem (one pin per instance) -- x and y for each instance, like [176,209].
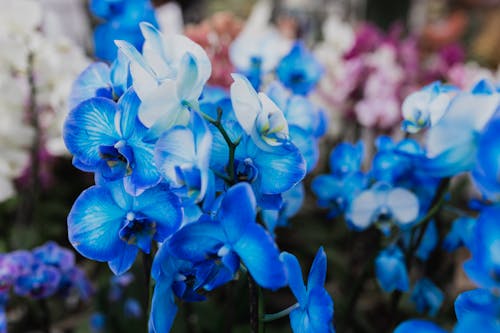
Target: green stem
[147,264]
[420,226]
[46,316]
[436,204]
[256,306]
[232,148]
[27,206]
[273,316]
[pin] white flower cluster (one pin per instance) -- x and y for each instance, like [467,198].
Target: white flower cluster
[32,61]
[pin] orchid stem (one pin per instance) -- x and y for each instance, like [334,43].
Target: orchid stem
[147,264]
[281,314]
[256,306]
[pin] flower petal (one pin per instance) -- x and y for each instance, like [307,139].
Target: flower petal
[317,273]
[259,253]
[197,240]
[124,260]
[163,307]
[88,126]
[163,207]
[295,279]
[245,102]
[93,225]
[404,205]
[94,81]
[280,169]
[237,211]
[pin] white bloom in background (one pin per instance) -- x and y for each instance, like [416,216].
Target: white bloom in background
[15,134]
[340,75]
[57,63]
[466,75]
[53,61]
[259,41]
[339,36]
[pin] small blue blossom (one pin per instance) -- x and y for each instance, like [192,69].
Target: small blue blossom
[299,70]
[122,20]
[390,270]
[461,233]
[314,313]
[385,205]
[337,189]
[427,296]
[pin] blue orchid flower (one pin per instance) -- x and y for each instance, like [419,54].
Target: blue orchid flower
[298,110]
[427,296]
[424,108]
[306,122]
[346,158]
[42,281]
[53,255]
[385,205]
[108,224]
[390,270]
[182,155]
[395,162]
[270,172]
[233,233]
[461,233]
[314,310]
[101,80]
[451,145]
[337,189]
[484,266]
[418,326]
[299,70]
[122,19]
[257,114]
[486,173]
[168,77]
[184,279]
[106,138]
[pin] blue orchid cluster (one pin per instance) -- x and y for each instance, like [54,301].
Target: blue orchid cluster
[288,83]
[462,129]
[46,271]
[186,172]
[119,20]
[406,181]
[393,196]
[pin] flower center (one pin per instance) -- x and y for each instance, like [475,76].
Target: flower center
[138,231]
